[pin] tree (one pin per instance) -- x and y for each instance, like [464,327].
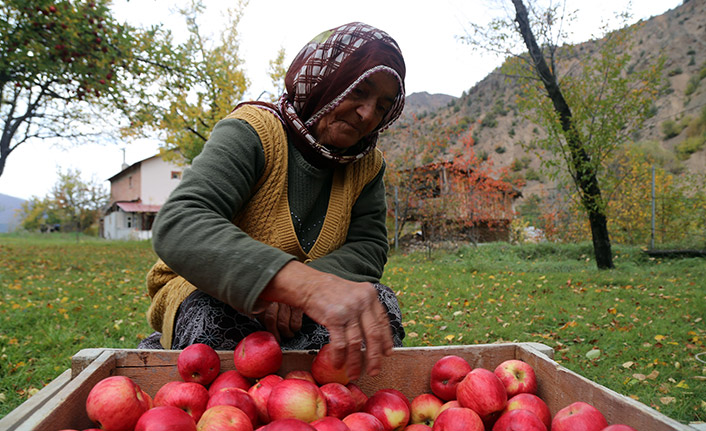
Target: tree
[73,203]
[210,82]
[66,65]
[586,114]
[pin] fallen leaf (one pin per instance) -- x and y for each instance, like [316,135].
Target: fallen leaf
[682,385]
[667,400]
[628,364]
[660,337]
[413,335]
[653,375]
[593,354]
[449,337]
[638,376]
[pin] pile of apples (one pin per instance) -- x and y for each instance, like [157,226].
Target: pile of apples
[253,398]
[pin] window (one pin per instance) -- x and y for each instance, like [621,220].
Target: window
[129,221]
[129,181]
[176,175]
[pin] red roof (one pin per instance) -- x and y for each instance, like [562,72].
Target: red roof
[135,207]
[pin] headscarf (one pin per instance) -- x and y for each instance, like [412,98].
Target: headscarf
[324,72]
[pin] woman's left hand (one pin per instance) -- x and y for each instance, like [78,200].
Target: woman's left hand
[281,320]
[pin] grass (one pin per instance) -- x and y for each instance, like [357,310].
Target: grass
[645,317]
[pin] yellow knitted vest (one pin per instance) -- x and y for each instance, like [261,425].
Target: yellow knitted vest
[266,217]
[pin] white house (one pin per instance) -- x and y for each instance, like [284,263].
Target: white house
[136,195]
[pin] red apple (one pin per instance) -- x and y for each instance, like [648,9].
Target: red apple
[323,369]
[579,416]
[116,403]
[358,395]
[235,397]
[257,355]
[339,400]
[449,404]
[458,419]
[517,377]
[161,394]
[165,418]
[229,379]
[389,408]
[446,374]
[298,399]
[300,374]
[330,423]
[532,403]
[618,427]
[361,421]
[289,424]
[260,392]
[199,363]
[189,396]
[424,409]
[224,418]
[519,420]
[417,427]
[399,394]
[482,391]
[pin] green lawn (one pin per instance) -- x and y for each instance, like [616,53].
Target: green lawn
[645,317]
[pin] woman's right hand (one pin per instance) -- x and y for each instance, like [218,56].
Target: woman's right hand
[349,310]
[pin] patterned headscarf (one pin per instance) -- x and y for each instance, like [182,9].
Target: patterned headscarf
[324,72]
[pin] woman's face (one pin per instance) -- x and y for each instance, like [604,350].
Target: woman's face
[359,113]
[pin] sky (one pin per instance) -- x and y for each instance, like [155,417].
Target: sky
[427,31]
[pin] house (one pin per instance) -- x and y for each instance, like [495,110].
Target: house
[451,200]
[137,193]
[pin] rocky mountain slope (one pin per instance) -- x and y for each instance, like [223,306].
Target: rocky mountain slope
[489,114]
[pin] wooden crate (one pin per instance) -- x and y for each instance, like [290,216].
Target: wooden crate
[62,403]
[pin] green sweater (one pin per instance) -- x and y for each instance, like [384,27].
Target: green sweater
[194,235]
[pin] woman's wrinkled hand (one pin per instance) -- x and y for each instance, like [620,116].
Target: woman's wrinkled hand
[349,310]
[281,320]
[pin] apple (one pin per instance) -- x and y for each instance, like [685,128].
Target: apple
[163,391]
[425,408]
[288,424]
[519,420]
[532,403]
[189,396]
[224,418]
[298,399]
[339,400]
[260,392]
[399,394]
[458,419]
[229,379]
[257,355]
[199,363]
[361,421]
[330,423]
[449,404]
[417,427]
[482,391]
[235,397]
[517,377]
[323,369]
[116,403]
[389,408]
[165,418]
[618,427]
[358,395]
[579,416]
[300,374]
[446,374]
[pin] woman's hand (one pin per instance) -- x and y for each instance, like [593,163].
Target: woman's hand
[281,320]
[350,311]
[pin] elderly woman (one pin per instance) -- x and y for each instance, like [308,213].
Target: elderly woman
[279,224]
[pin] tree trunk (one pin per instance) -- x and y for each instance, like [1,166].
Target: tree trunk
[585,177]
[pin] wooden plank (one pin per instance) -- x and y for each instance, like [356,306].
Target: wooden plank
[66,409]
[10,421]
[559,387]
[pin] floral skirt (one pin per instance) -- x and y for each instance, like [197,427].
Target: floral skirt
[204,319]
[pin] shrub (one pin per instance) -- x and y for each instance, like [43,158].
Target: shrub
[689,146]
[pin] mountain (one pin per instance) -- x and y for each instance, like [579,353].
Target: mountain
[8,212]
[488,111]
